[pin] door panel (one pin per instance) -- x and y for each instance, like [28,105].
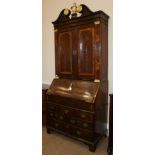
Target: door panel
[85,52]
[65,53]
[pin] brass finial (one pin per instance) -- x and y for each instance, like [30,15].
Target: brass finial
[79,8]
[66,11]
[74,9]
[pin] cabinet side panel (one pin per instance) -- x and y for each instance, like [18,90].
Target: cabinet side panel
[102,98]
[104,61]
[97,50]
[56,53]
[101,114]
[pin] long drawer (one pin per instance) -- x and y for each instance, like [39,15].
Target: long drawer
[71,113]
[70,129]
[70,120]
[71,102]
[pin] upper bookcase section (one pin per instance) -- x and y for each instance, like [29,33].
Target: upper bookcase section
[79,13]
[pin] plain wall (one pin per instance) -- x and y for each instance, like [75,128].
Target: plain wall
[51,10]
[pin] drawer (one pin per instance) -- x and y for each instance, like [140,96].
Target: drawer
[52,107]
[70,120]
[84,116]
[70,112]
[83,134]
[85,125]
[82,124]
[70,129]
[58,116]
[52,114]
[70,102]
[51,123]
[62,126]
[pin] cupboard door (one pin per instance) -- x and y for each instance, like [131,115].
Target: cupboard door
[86,53]
[65,54]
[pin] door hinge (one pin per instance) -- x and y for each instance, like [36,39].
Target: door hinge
[97,22]
[96,80]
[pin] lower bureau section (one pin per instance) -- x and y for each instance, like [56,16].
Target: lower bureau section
[77,123]
[70,129]
[88,137]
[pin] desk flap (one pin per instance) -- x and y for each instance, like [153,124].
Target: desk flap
[82,90]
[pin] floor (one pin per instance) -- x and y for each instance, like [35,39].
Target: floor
[57,144]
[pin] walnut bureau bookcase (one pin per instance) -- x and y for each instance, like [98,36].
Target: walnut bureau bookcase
[77,98]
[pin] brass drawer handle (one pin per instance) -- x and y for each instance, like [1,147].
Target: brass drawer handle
[66,111]
[78,132]
[85,125]
[83,115]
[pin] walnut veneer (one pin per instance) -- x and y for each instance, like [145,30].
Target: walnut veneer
[76,105]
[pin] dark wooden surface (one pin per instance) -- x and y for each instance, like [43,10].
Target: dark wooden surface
[81,47]
[78,89]
[81,53]
[44,106]
[76,116]
[110,143]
